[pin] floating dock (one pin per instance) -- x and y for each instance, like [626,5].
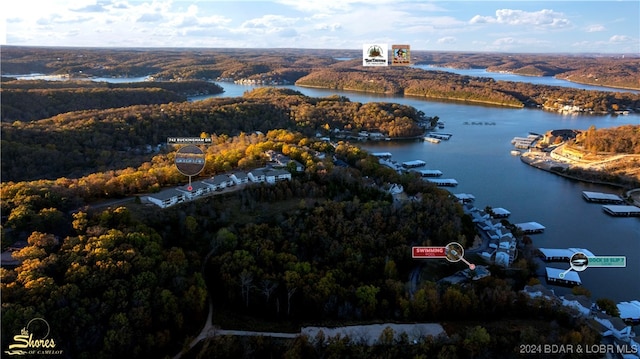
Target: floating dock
[441,136]
[430,173]
[446,182]
[524,142]
[562,255]
[600,197]
[531,227]
[629,310]
[570,278]
[621,210]
[383,155]
[413,164]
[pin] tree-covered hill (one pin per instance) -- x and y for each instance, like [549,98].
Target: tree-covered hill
[81,142]
[449,86]
[35,100]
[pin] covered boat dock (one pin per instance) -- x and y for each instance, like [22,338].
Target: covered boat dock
[562,276]
[621,210]
[531,227]
[555,254]
[600,197]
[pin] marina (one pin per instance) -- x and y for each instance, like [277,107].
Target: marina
[525,142]
[563,277]
[600,197]
[531,227]
[621,210]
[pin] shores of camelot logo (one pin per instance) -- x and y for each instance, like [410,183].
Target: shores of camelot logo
[34,340]
[374,55]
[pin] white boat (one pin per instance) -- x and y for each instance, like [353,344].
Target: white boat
[432,139]
[515,153]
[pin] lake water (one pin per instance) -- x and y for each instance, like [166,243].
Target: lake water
[505,76]
[478,157]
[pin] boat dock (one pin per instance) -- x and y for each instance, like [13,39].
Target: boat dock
[383,155]
[430,173]
[446,182]
[562,255]
[531,227]
[571,278]
[465,197]
[600,197]
[500,212]
[524,142]
[621,210]
[440,135]
[413,164]
[629,310]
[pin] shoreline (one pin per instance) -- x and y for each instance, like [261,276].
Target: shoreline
[533,163]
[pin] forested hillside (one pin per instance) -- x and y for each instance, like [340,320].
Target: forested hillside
[449,86]
[602,70]
[77,143]
[35,100]
[614,140]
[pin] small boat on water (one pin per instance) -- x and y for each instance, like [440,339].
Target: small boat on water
[515,153]
[432,139]
[440,124]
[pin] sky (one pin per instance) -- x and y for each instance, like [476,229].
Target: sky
[486,26]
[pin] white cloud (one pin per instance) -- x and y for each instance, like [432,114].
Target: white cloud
[504,41]
[595,28]
[330,6]
[153,17]
[543,18]
[447,40]
[270,21]
[478,19]
[509,43]
[617,43]
[619,38]
[328,27]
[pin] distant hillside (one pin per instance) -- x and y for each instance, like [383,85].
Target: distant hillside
[34,100]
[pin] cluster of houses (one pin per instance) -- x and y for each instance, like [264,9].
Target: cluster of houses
[274,172]
[614,330]
[360,136]
[169,197]
[502,243]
